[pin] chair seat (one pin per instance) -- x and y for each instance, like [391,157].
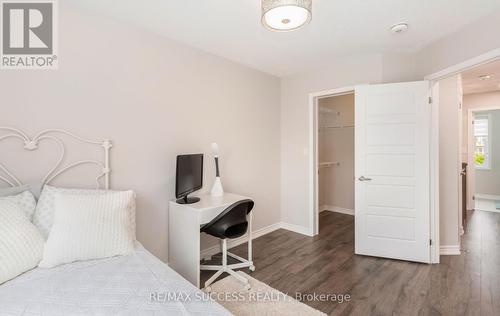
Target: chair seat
[232,222]
[236,231]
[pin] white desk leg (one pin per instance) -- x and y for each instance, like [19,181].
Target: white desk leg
[250,239]
[184,243]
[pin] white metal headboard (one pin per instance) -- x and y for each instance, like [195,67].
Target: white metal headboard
[31,144]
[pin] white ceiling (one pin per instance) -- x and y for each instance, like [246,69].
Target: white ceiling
[472,84]
[232,29]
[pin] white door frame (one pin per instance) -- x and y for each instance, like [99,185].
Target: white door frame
[434,79]
[313,228]
[313,152]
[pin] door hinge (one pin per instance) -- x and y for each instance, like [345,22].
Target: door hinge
[430,242]
[430,100]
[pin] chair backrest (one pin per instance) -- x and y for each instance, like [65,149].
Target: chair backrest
[230,223]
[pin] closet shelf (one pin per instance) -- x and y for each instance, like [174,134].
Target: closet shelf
[328,164]
[337,127]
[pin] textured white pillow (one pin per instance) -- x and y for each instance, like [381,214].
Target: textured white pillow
[21,244]
[26,202]
[45,209]
[89,227]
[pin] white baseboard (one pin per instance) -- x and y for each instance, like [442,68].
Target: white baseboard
[450,250]
[488,210]
[256,234]
[487,203]
[336,209]
[487,196]
[296,228]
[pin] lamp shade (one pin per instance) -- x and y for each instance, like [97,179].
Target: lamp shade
[286,15]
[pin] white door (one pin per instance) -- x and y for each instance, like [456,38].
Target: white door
[392,171]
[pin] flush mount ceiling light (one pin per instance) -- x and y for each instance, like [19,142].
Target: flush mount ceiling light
[286,15]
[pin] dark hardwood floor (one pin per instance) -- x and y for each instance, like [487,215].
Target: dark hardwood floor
[468,284]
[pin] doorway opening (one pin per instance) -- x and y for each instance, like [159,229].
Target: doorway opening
[328,119]
[481,146]
[469,110]
[485,151]
[385,155]
[335,132]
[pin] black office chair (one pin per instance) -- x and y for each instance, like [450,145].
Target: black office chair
[231,223]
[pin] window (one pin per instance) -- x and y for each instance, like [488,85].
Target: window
[482,155]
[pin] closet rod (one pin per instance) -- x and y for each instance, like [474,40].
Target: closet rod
[337,127]
[329,164]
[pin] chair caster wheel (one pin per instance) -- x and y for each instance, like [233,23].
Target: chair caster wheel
[208,289]
[251,268]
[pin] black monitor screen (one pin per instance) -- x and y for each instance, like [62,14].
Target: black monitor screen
[189,174]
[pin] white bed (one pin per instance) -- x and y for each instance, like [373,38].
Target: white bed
[138,284]
[122,285]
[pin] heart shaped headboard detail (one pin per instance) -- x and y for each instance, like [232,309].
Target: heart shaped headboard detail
[32,144]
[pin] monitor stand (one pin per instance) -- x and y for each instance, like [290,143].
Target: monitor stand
[188,200]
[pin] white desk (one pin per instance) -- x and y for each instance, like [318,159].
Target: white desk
[184,221]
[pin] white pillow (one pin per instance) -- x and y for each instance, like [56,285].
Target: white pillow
[26,202]
[21,244]
[89,227]
[45,209]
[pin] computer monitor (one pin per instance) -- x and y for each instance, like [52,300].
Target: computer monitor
[189,177]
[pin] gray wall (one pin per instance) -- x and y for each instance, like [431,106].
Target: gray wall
[154,98]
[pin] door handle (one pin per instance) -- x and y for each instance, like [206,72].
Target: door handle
[363,178]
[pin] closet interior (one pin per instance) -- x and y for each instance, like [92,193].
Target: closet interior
[336,154]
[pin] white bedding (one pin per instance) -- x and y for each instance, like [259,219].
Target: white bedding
[120,285]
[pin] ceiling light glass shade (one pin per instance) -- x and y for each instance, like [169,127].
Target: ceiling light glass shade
[286,15]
